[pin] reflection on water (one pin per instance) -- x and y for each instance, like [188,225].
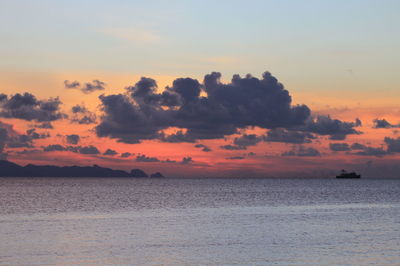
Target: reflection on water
[199,221]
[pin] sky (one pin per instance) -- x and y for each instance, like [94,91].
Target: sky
[203,88]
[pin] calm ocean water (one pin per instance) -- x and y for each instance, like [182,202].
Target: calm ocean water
[199,221]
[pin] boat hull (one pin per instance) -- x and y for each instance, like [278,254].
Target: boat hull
[354,176]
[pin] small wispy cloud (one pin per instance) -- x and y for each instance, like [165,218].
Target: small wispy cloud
[131,34]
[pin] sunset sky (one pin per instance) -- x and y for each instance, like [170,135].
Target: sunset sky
[203,88]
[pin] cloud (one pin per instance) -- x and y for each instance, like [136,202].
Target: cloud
[288,136]
[247,140]
[203,147]
[125,154]
[73,139]
[302,151]
[393,145]
[3,139]
[357,146]
[81,115]
[88,87]
[44,125]
[110,152]
[177,137]
[336,129]
[382,123]
[230,147]
[142,113]
[144,159]
[89,150]
[235,158]
[71,84]
[242,142]
[364,150]
[186,160]
[339,146]
[27,107]
[77,149]
[78,109]
[54,147]
[25,140]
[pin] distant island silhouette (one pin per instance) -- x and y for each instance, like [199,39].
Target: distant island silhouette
[10,169]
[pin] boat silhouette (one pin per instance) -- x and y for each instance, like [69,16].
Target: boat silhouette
[345,174]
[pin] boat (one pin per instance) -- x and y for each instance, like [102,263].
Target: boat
[345,174]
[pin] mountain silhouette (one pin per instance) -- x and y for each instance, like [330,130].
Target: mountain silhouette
[10,169]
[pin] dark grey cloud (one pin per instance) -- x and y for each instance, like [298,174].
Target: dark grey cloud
[302,151]
[203,147]
[110,152]
[230,147]
[78,109]
[393,145]
[25,140]
[73,139]
[288,136]
[247,140]
[126,154]
[383,123]
[89,150]
[27,107]
[339,146]
[88,87]
[35,135]
[77,149]
[72,84]
[365,150]
[242,142]
[54,147]
[235,158]
[177,137]
[142,113]
[3,140]
[357,146]
[44,125]
[335,128]
[145,159]
[81,115]
[186,160]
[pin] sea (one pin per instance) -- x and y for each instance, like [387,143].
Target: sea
[209,221]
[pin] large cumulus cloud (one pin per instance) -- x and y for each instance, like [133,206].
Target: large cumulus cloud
[209,110]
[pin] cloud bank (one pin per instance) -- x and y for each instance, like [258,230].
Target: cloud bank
[208,110]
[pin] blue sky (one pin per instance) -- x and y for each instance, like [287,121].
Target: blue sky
[167,36]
